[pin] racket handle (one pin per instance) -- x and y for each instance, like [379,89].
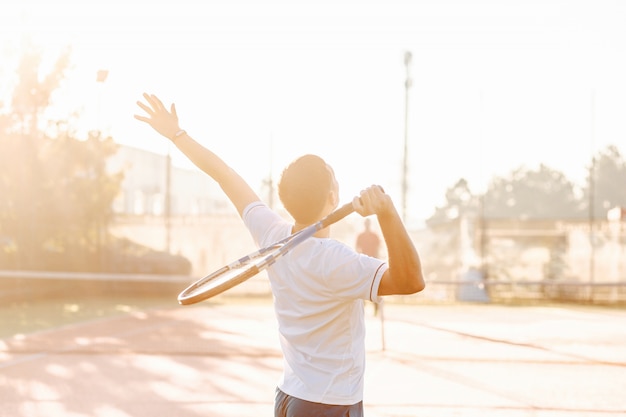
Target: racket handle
[336,215]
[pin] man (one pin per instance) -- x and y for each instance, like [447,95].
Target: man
[368,243]
[318,287]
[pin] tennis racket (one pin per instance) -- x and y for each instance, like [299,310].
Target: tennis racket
[245,268]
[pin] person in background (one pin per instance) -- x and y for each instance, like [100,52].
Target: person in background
[368,243]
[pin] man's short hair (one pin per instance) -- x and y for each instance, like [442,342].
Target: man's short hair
[304,186]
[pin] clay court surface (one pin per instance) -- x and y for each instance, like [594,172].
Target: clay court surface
[221,358]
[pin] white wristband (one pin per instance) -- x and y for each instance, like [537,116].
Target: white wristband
[178,134]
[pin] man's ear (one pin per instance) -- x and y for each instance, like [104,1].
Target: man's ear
[333,198]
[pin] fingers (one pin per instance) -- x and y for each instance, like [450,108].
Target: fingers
[150,100]
[145,108]
[156,105]
[154,108]
[370,201]
[373,192]
[153,100]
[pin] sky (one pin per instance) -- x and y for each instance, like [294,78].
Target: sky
[495,85]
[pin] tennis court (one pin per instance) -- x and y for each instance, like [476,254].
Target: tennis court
[221,358]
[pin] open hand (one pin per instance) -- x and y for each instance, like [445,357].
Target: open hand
[163,121]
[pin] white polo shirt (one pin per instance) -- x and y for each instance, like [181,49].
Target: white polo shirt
[318,290]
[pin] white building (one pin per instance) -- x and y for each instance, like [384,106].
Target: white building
[144,188]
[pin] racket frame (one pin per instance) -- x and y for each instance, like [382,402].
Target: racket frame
[210,285]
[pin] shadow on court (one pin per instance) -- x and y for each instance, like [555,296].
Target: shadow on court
[222,359]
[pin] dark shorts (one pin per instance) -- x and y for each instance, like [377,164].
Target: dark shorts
[288,406]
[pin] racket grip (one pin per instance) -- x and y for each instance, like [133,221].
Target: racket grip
[337,215]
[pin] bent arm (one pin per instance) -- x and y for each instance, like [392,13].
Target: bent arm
[166,123]
[404,275]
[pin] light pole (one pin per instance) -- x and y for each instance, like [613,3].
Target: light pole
[101,77]
[407,86]
[167,204]
[592,185]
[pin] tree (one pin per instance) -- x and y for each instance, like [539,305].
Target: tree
[56,193]
[459,200]
[606,184]
[531,194]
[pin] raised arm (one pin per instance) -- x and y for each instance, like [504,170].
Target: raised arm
[404,275]
[165,122]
